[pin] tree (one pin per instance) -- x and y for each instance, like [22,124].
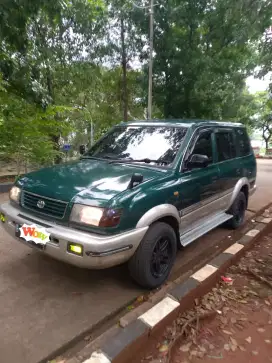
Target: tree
[123,45]
[263,117]
[95,95]
[204,50]
[265,54]
[25,131]
[53,37]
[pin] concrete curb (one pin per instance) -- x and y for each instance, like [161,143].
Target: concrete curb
[135,336]
[5,187]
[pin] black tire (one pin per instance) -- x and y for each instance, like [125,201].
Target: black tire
[153,260]
[238,210]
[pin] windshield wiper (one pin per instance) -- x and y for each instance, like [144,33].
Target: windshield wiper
[145,160]
[103,157]
[89,157]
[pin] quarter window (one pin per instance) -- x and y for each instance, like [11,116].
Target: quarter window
[225,145]
[243,142]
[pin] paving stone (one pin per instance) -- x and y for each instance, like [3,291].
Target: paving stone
[219,260]
[124,338]
[183,288]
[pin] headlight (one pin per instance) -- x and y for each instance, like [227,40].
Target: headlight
[14,194]
[95,216]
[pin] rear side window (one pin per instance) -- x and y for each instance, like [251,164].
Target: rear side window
[225,145]
[243,143]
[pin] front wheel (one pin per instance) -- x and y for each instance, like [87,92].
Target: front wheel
[238,210]
[153,260]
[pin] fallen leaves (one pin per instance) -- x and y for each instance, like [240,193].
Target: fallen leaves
[230,304]
[224,320]
[227,347]
[249,340]
[233,342]
[216,356]
[186,347]
[87,338]
[164,348]
[140,299]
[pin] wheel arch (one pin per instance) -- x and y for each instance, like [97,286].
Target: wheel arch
[241,185]
[166,213]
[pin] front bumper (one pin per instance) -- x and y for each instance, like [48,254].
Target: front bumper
[99,252]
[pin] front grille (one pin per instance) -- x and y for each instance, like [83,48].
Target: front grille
[52,207]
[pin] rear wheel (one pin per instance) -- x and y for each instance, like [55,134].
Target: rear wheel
[238,210]
[152,262]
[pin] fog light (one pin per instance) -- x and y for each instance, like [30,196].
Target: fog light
[2,218]
[75,248]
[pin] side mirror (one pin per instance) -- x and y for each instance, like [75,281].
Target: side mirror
[82,149]
[135,180]
[197,161]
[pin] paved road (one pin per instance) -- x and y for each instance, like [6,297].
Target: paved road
[44,303]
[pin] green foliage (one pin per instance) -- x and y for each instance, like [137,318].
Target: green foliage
[263,116]
[25,130]
[204,52]
[68,64]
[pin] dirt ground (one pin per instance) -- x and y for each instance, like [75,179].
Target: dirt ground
[232,323]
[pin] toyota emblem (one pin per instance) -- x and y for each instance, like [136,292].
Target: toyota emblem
[40,204]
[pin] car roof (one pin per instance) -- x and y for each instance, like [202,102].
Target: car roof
[180,122]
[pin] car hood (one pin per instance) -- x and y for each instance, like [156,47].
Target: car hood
[85,181]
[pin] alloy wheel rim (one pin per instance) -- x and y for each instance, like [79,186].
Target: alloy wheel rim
[161,257]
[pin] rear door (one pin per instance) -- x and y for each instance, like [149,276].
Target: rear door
[246,156]
[230,170]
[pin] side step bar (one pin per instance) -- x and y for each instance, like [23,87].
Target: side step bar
[203,228]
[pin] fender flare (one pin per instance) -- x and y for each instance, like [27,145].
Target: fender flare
[239,185]
[158,212]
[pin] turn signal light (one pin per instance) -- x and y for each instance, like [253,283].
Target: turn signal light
[2,218]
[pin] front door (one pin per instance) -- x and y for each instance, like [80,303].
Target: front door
[198,188]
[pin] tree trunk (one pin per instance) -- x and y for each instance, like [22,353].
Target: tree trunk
[124,71]
[267,133]
[50,88]
[167,100]
[55,138]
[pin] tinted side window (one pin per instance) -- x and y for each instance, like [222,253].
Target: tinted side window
[225,145]
[242,142]
[203,145]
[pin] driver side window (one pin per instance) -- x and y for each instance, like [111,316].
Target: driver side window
[203,145]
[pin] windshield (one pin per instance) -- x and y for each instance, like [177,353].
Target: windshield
[140,142]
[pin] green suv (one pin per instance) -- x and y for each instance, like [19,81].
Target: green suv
[141,192]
